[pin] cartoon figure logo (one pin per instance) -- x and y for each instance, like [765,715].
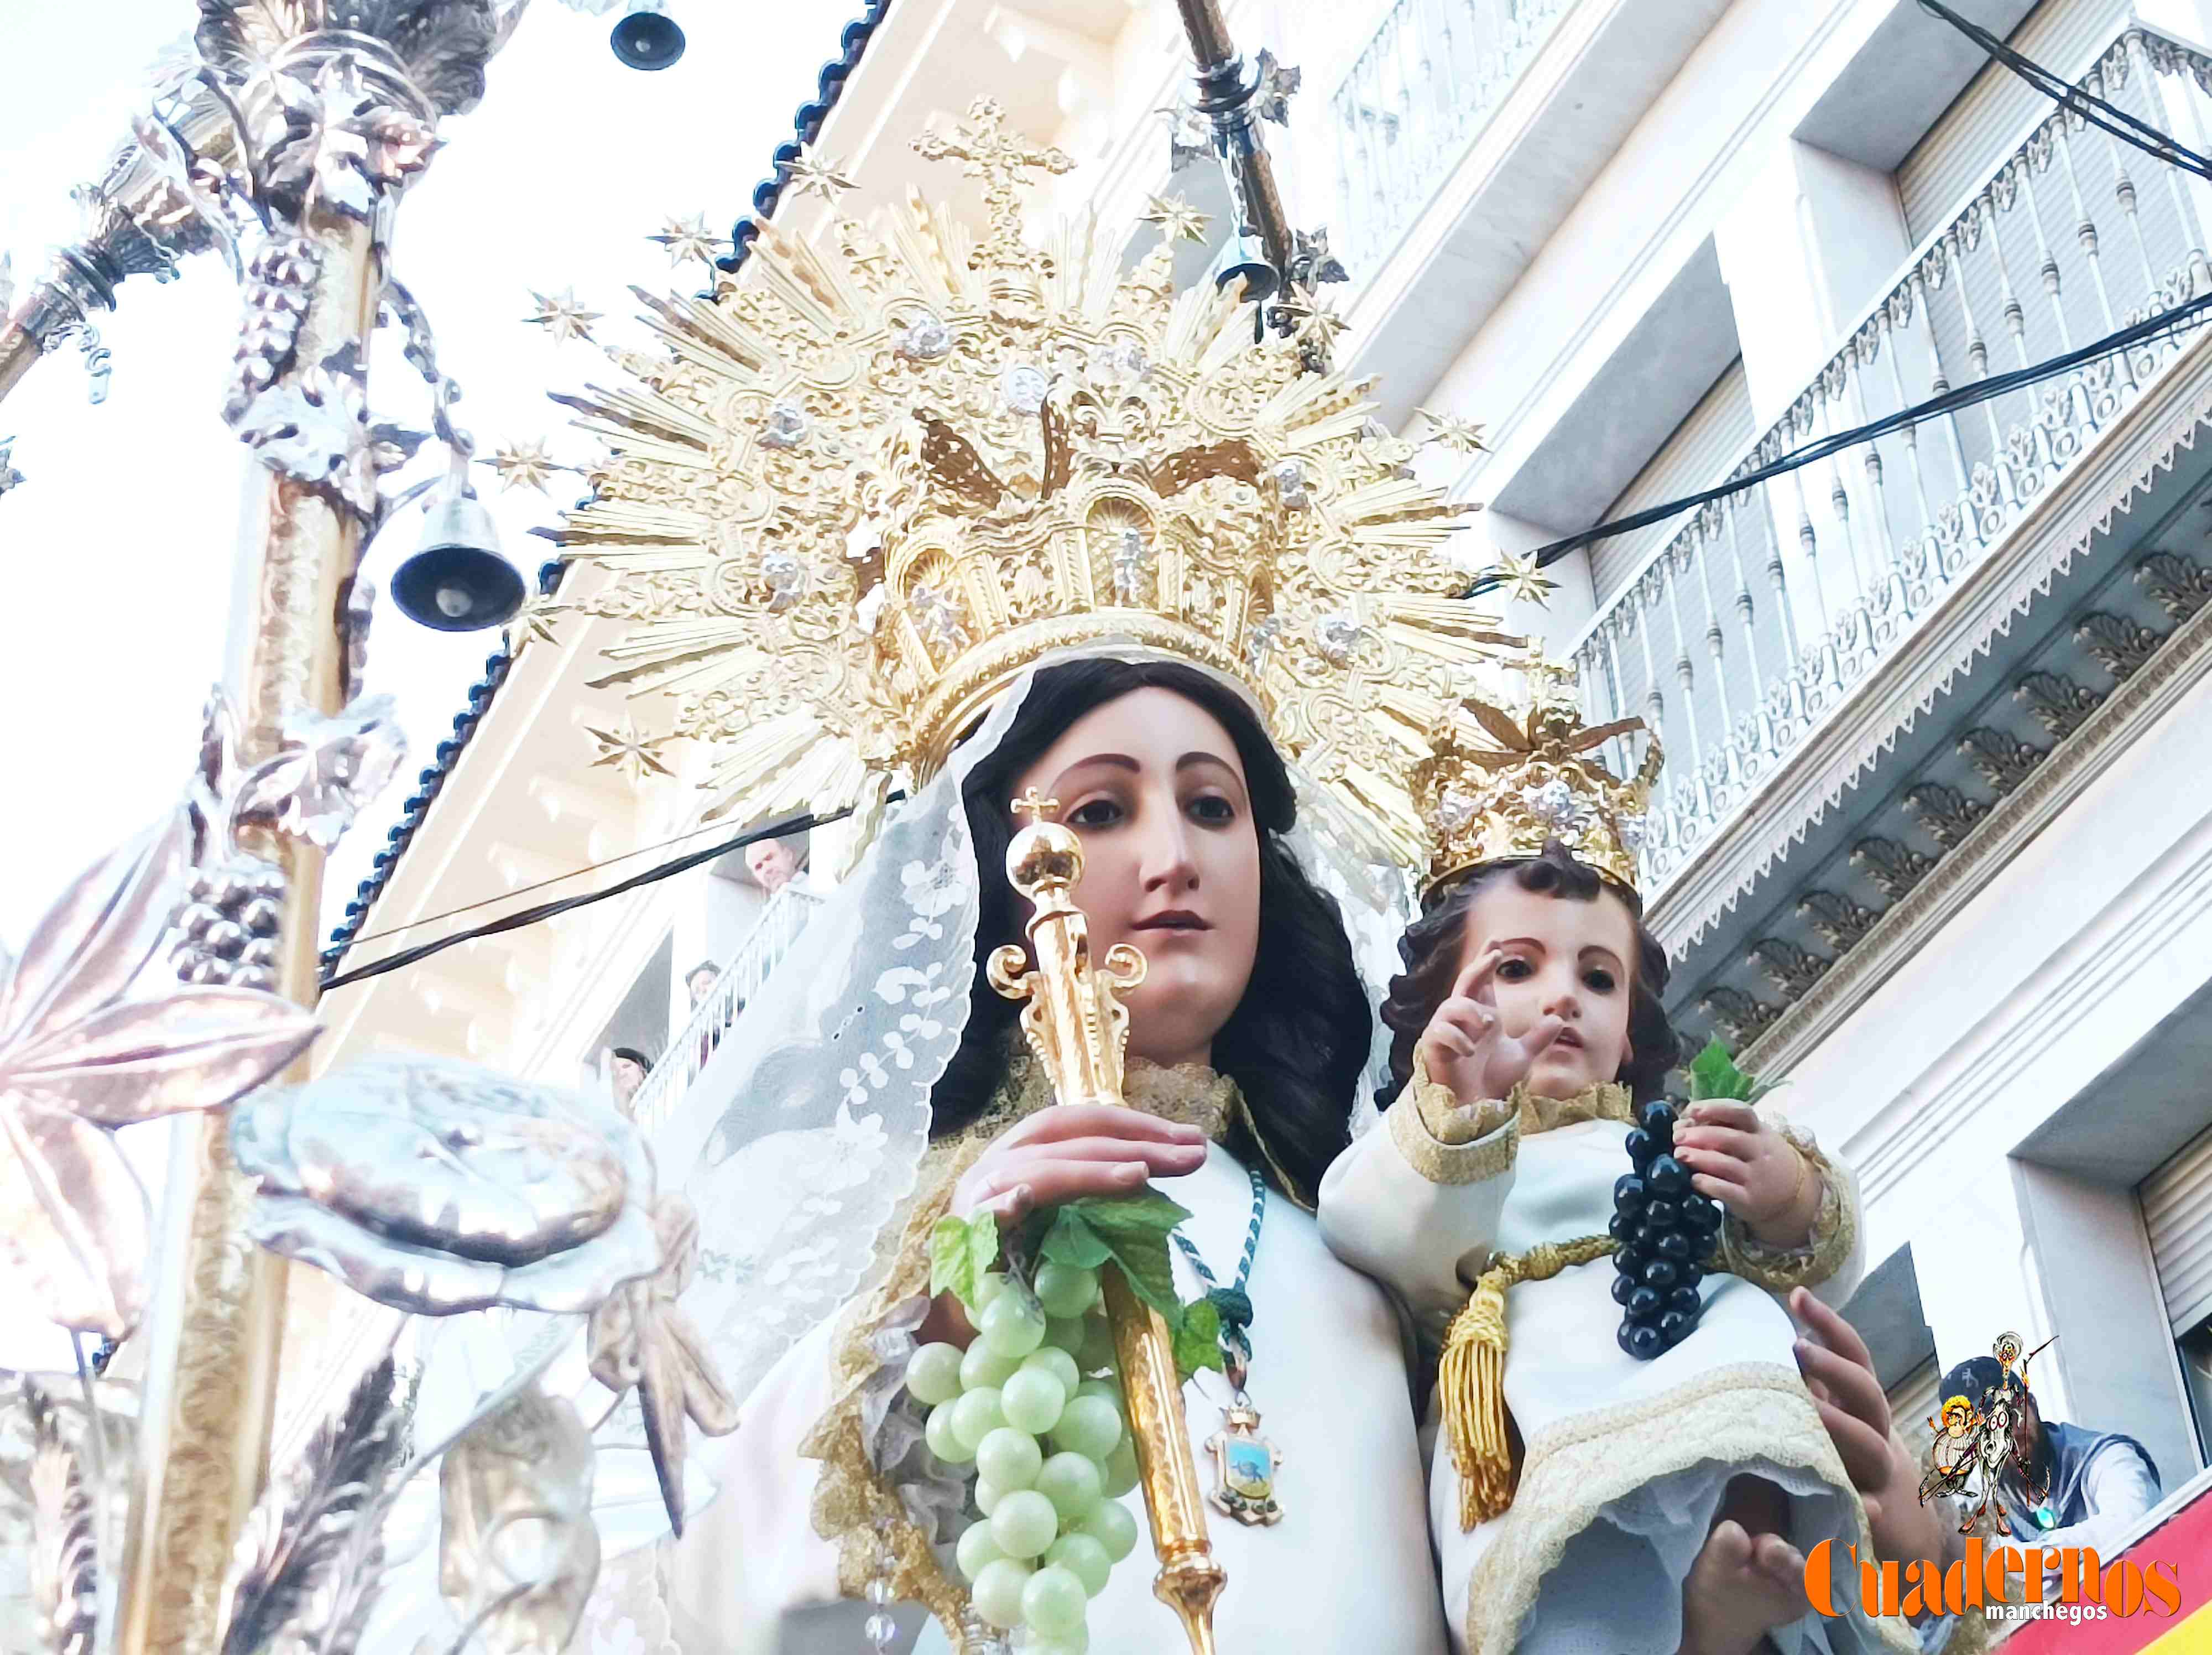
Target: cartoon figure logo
[1977,1440]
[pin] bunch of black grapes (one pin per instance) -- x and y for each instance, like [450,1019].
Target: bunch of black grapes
[1665,1232]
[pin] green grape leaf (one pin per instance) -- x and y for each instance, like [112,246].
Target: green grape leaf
[1134,1229]
[1122,1218]
[1713,1074]
[960,1251]
[1198,1340]
[1072,1241]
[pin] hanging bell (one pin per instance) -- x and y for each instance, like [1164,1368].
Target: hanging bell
[647,37]
[1245,261]
[457,581]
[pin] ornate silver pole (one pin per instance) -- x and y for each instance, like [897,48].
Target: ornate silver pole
[333,122]
[145,215]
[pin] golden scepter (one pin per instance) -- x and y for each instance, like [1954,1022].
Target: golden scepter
[1078,1026]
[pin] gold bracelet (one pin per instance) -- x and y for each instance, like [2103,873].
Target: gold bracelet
[1804,1165]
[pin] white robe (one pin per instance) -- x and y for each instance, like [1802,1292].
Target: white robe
[1349,1565]
[1625,1460]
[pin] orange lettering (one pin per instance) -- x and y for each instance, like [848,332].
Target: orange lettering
[1923,1586]
[2124,1587]
[2166,1590]
[1892,1590]
[2000,1561]
[1869,1583]
[1962,1581]
[1819,1578]
[2080,1574]
[2034,1568]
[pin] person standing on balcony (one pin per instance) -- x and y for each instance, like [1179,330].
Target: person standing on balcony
[699,982]
[774,864]
[626,1067]
[2062,1485]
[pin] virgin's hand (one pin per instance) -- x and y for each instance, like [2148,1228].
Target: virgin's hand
[1064,1153]
[1839,1372]
[1056,1156]
[1466,1048]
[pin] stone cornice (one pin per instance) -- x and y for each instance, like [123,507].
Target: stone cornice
[2180,663]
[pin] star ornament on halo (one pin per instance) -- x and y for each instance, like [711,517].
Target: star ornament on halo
[636,758]
[810,175]
[535,622]
[1313,319]
[563,316]
[525,466]
[1454,431]
[1522,581]
[687,240]
[1176,219]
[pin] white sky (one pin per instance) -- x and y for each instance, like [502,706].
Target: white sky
[117,553]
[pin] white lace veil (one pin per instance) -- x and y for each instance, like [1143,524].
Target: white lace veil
[804,1132]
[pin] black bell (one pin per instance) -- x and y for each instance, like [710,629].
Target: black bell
[457,581]
[1247,265]
[648,38]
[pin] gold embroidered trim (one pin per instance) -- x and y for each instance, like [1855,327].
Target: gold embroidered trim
[1736,1413]
[1609,1100]
[1443,1163]
[876,1537]
[1835,1232]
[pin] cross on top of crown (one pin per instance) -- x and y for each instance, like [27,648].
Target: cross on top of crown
[1548,679]
[987,151]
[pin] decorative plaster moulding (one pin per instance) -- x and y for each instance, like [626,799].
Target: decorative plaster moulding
[1887,703]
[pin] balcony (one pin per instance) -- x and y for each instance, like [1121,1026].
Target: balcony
[1741,636]
[780,922]
[1427,83]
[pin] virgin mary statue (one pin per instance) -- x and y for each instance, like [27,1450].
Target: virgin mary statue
[921,522]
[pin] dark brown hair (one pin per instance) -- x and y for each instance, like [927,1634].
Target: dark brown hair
[1432,945]
[1298,1040]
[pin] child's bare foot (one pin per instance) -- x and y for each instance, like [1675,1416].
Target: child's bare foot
[1739,1589]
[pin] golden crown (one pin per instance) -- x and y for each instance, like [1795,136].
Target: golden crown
[1501,783]
[874,481]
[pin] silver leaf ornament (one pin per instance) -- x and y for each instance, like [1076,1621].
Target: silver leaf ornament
[520,1552]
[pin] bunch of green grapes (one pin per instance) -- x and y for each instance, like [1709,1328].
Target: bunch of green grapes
[1034,1404]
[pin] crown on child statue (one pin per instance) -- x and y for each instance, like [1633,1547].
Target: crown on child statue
[1499,784]
[875,479]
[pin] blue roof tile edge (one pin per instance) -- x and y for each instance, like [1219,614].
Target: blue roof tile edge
[806,126]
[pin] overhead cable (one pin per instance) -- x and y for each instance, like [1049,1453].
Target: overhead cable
[547,910]
[1950,402]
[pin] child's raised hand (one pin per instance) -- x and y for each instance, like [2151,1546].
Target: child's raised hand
[1466,1048]
[1737,1158]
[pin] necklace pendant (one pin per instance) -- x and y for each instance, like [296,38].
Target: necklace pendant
[1244,1467]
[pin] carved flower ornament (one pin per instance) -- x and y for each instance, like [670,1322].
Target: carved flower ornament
[438,1188]
[78,1059]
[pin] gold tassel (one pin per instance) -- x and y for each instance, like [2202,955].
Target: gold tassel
[1471,1377]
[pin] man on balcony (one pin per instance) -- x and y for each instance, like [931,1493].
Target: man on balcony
[2065,1485]
[775,863]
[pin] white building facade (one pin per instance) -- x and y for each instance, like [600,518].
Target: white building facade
[1935,841]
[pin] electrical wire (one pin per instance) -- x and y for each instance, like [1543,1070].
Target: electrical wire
[2097,111]
[1968,396]
[547,910]
[2104,117]
[524,890]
